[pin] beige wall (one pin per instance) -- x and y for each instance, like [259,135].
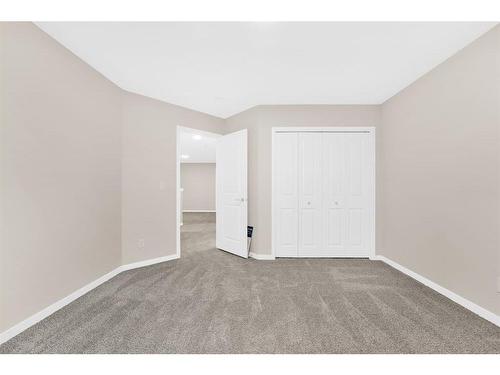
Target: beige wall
[259,121]
[149,173]
[59,173]
[198,182]
[441,170]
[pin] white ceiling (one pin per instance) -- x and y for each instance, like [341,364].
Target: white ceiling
[225,68]
[197,146]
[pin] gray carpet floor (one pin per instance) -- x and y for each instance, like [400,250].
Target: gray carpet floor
[210,301]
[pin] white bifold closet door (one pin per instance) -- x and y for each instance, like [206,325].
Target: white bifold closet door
[286,181]
[323,194]
[310,205]
[347,191]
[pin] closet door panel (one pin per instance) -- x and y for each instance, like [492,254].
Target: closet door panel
[310,194]
[356,230]
[357,194]
[334,212]
[286,167]
[334,221]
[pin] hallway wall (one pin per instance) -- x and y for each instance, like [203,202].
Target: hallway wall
[198,182]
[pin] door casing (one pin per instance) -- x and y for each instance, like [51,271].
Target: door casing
[178,206]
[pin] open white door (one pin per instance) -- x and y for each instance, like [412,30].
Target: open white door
[231,192]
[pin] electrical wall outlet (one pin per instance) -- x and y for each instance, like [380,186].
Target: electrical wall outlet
[140,243]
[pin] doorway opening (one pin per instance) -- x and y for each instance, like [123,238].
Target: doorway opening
[196,204]
[211,192]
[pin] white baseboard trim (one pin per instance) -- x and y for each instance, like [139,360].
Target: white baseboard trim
[147,262]
[188,211]
[49,310]
[481,311]
[261,256]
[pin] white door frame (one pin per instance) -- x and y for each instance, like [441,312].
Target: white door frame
[370,130]
[178,212]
